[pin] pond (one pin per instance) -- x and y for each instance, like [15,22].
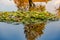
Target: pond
[51,31]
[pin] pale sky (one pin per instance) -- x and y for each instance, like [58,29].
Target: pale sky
[7,5]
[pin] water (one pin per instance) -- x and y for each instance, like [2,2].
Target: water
[16,32]
[51,30]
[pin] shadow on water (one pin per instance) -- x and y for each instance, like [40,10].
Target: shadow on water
[33,31]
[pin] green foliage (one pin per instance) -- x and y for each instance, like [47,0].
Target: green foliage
[26,17]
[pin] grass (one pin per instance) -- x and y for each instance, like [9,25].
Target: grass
[26,17]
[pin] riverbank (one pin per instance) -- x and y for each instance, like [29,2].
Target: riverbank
[26,17]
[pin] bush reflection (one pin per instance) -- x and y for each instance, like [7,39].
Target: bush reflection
[32,31]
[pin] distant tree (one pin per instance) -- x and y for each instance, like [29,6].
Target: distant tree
[58,13]
[21,4]
[31,4]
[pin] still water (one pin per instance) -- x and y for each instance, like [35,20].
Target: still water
[51,31]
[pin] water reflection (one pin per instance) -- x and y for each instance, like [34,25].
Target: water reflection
[32,31]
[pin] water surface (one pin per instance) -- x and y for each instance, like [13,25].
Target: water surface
[51,31]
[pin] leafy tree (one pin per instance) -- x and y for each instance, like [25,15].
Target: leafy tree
[31,4]
[22,6]
[58,13]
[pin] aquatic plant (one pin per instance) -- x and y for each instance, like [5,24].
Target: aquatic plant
[26,17]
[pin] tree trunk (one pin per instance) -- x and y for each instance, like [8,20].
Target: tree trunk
[31,4]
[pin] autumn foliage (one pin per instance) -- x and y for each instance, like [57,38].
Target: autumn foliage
[32,31]
[22,4]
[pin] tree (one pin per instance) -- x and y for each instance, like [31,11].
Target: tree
[41,0]
[58,13]
[22,6]
[19,4]
[31,4]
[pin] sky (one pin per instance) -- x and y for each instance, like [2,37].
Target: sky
[8,5]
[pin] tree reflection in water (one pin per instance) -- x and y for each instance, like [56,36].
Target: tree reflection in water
[32,31]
